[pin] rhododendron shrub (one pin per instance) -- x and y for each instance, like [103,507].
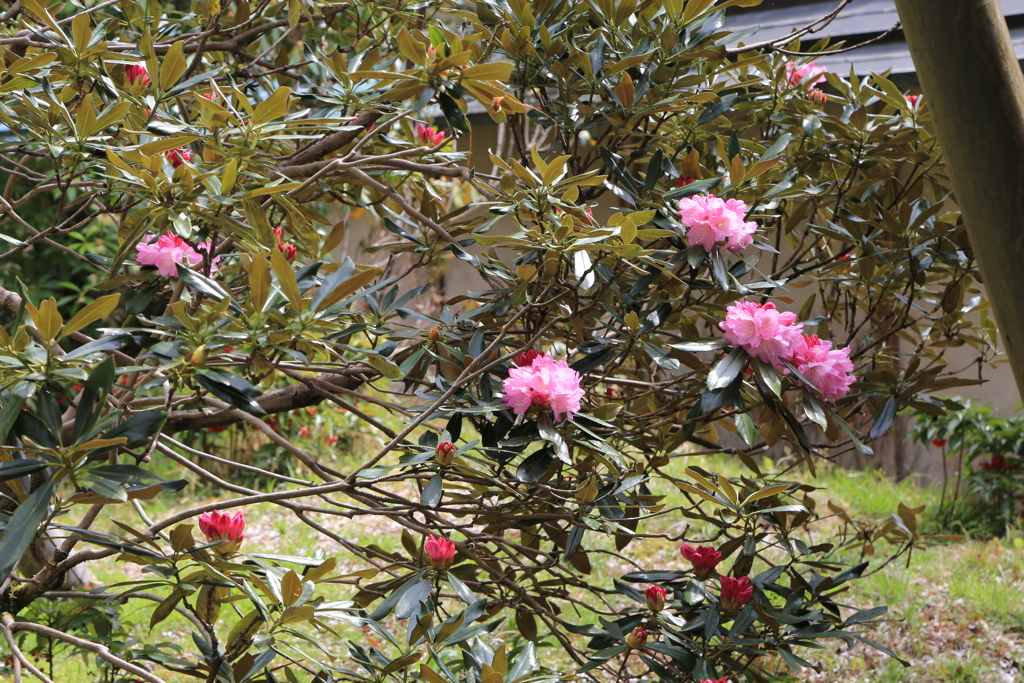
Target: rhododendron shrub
[673,250]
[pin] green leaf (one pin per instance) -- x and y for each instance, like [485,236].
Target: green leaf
[884,420]
[95,391]
[8,415]
[524,665]
[461,589]
[136,428]
[21,530]
[431,495]
[745,428]
[727,370]
[534,467]
[19,468]
[230,388]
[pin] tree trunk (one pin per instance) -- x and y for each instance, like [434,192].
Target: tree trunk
[973,85]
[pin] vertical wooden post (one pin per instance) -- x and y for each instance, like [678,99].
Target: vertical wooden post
[974,87]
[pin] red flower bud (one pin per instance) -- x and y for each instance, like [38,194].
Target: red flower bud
[136,74]
[177,157]
[703,558]
[219,526]
[681,181]
[939,443]
[912,100]
[289,250]
[655,596]
[525,360]
[440,551]
[637,638]
[444,454]
[735,593]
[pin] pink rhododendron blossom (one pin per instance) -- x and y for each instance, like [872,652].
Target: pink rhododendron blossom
[826,368]
[762,331]
[655,598]
[220,526]
[168,251]
[735,593]
[808,74]
[136,74]
[425,135]
[704,559]
[440,551]
[711,220]
[546,383]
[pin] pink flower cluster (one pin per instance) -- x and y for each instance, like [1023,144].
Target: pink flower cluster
[826,368]
[735,593]
[774,337]
[168,251]
[704,559]
[711,220]
[426,135]
[762,331]
[545,383]
[220,526]
[808,74]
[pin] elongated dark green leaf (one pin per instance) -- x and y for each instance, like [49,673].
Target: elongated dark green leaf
[109,343]
[136,428]
[885,418]
[93,393]
[431,496]
[209,287]
[534,467]
[461,589]
[21,530]
[8,415]
[19,468]
[573,544]
[524,665]
[231,388]
[389,602]
[409,603]
[727,369]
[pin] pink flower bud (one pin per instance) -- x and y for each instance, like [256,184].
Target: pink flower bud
[818,97]
[179,156]
[703,558]
[655,596]
[444,454]
[525,360]
[637,638]
[735,594]
[441,552]
[289,250]
[912,100]
[136,74]
[219,526]
[426,135]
